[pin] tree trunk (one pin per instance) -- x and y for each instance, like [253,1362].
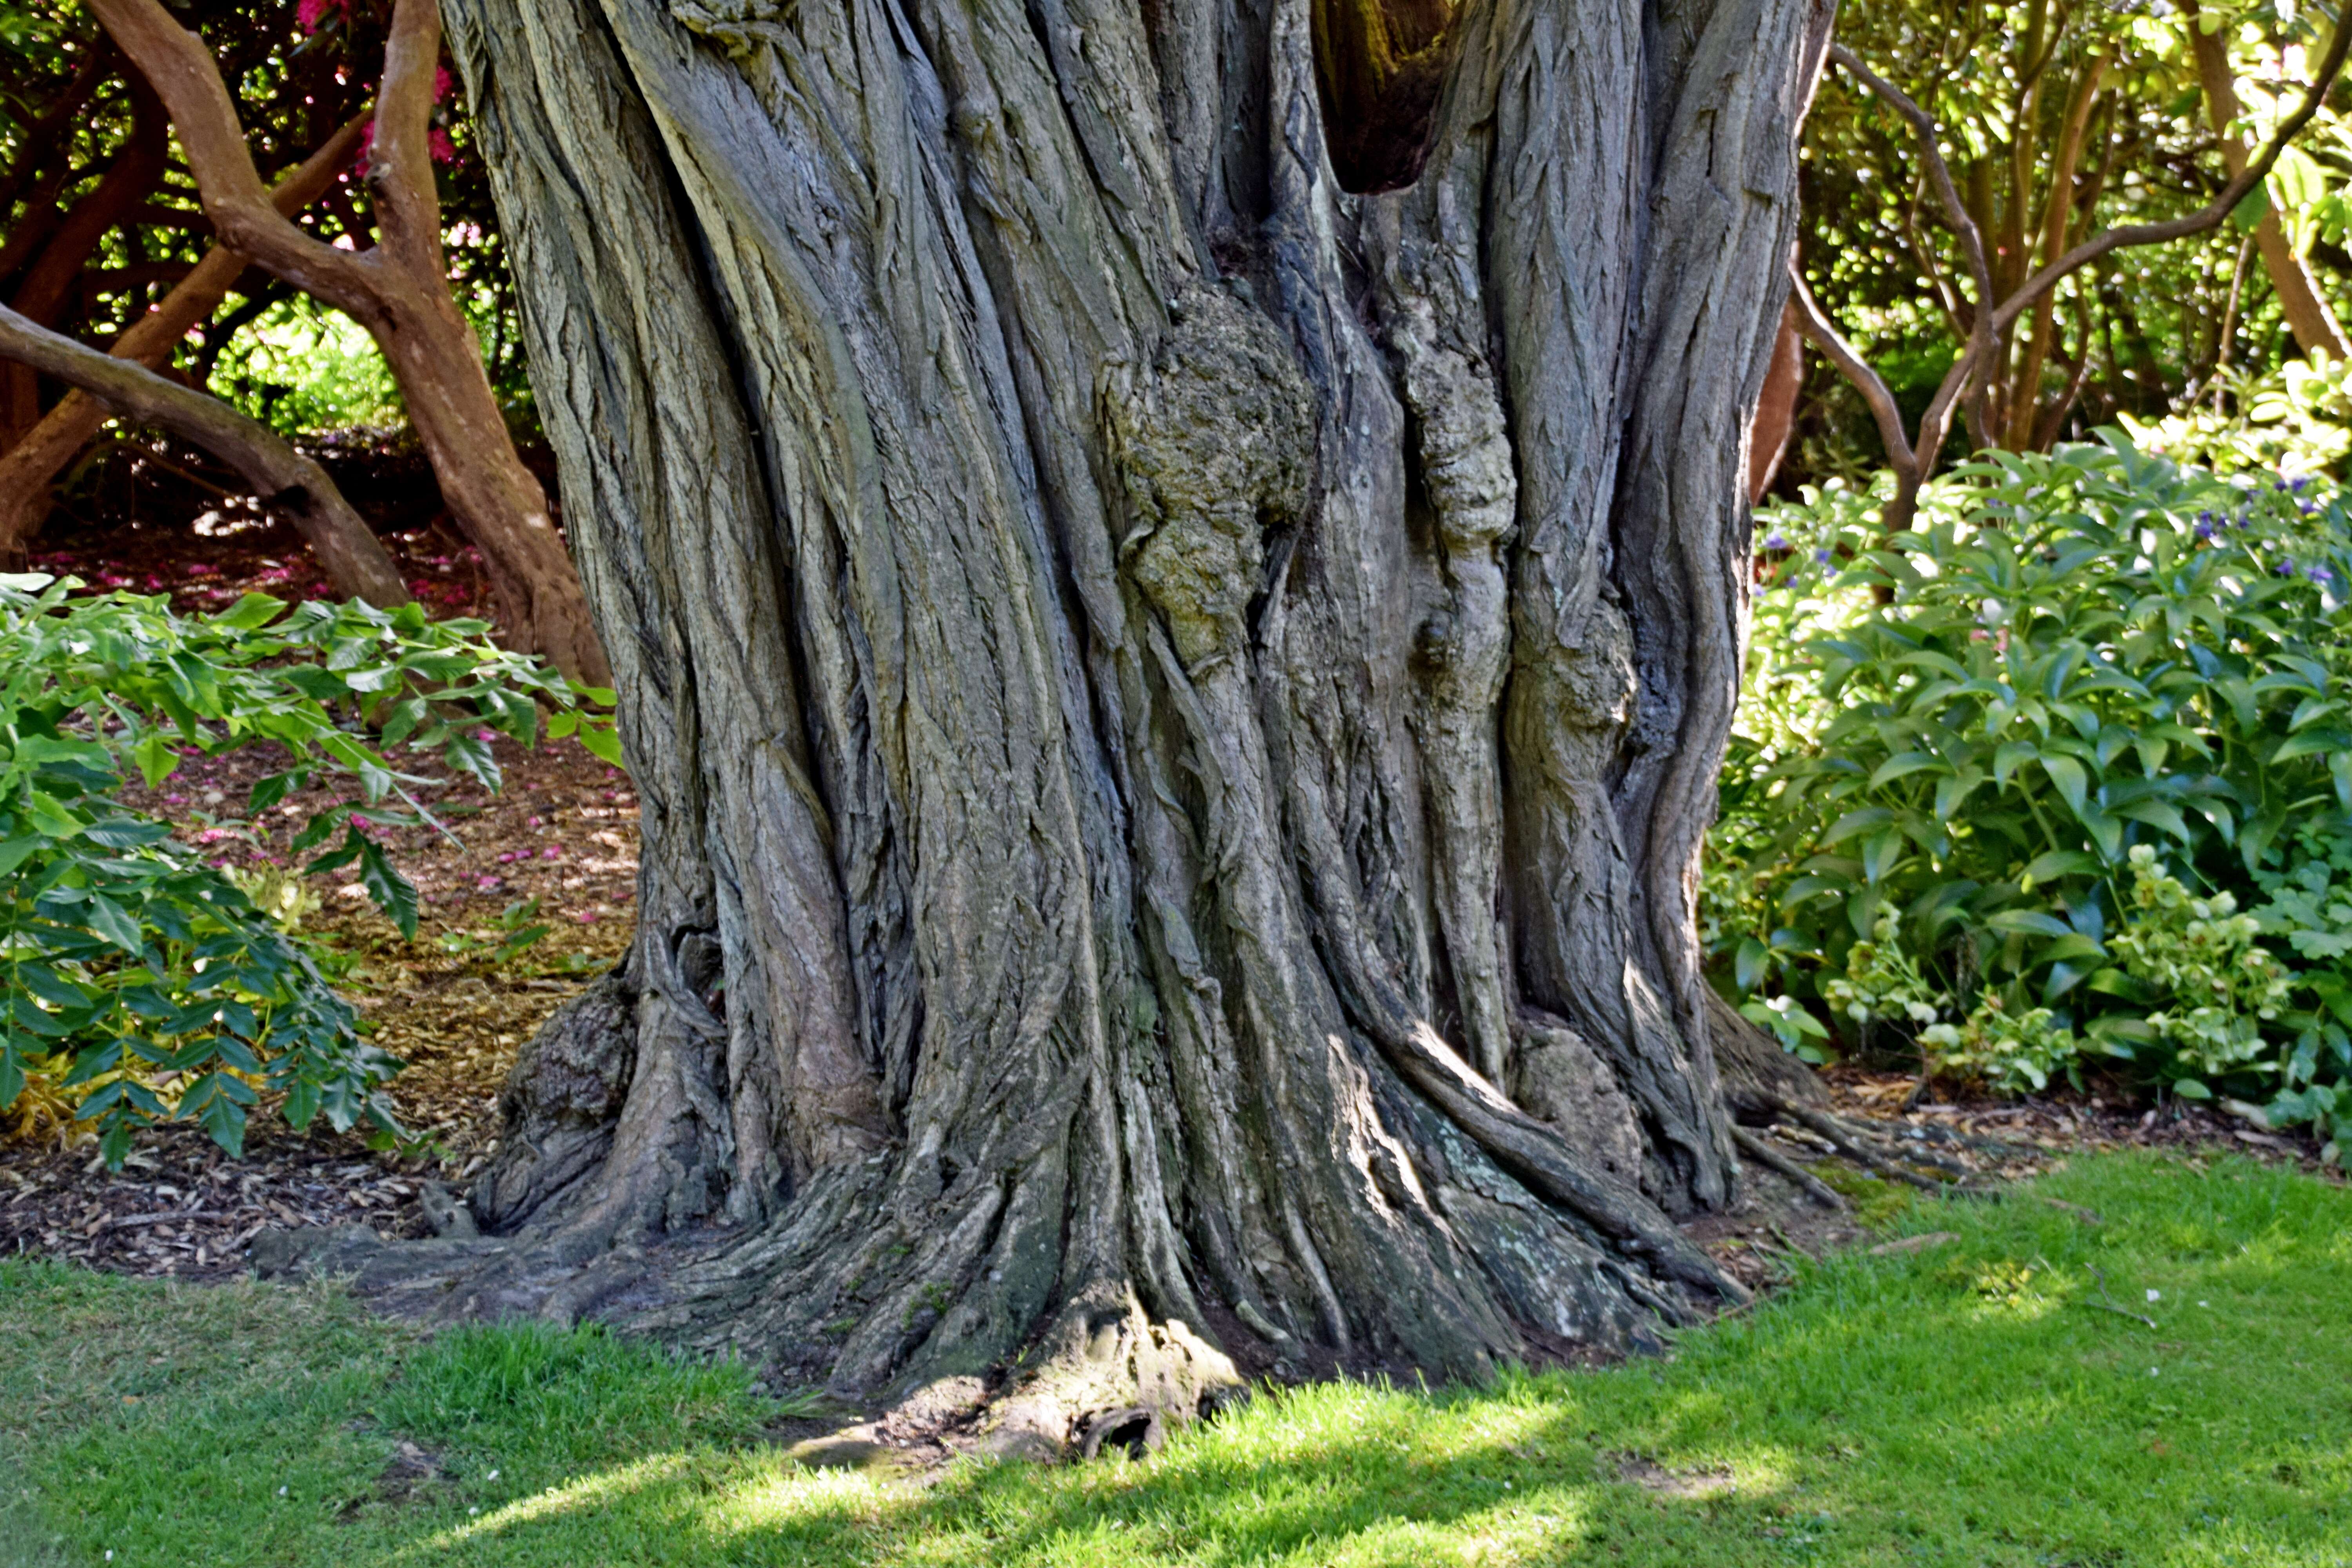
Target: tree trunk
[1175,705]
[347,552]
[2300,300]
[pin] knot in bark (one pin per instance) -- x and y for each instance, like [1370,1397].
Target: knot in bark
[1215,442]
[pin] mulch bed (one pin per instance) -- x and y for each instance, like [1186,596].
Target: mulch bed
[562,831]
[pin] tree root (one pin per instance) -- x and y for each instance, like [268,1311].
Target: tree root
[1759,1150]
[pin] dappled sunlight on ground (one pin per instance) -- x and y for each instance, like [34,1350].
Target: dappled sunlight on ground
[1975,1403]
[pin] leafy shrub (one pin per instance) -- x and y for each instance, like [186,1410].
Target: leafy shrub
[2065,771]
[145,983]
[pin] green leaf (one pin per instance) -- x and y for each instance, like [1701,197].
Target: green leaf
[1855,822]
[2007,756]
[2306,742]
[2156,814]
[1749,966]
[602,738]
[126,833]
[2073,945]
[2073,782]
[2029,922]
[108,919]
[393,893]
[2060,863]
[157,757]
[2191,1088]
[14,852]
[1907,763]
[250,613]
[50,818]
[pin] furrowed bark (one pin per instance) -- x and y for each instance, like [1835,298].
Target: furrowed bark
[349,553]
[1175,703]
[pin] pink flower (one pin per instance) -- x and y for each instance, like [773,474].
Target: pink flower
[534,822]
[506,858]
[553,852]
[310,14]
[441,84]
[485,734]
[489,883]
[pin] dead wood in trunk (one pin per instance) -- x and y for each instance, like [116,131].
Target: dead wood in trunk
[1175,706]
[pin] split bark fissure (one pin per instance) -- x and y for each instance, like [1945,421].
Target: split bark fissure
[1133,654]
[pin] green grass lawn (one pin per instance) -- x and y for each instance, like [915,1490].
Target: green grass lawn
[1963,1405]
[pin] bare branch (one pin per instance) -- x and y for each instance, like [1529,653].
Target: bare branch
[400,163]
[182,71]
[345,545]
[1816,324]
[2210,216]
[1937,419]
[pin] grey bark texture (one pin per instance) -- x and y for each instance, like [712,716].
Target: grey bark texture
[1175,704]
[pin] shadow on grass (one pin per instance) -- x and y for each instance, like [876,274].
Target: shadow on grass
[1974,1403]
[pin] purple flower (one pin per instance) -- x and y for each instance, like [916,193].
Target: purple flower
[2285,568]
[2204,533]
[1820,557]
[2320,575]
[2309,510]
[1776,540]
[2298,485]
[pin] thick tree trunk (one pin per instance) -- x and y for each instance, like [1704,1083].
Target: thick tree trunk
[1175,706]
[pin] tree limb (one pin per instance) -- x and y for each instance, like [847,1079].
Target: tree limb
[353,559]
[2210,216]
[1937,420]
[400,160]
[28,467]
[180,70]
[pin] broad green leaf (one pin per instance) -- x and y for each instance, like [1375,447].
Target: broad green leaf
[157,757]
[2069,777]
[1907,763]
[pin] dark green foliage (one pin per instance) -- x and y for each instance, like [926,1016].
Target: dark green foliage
[2082,785]
[144,982]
